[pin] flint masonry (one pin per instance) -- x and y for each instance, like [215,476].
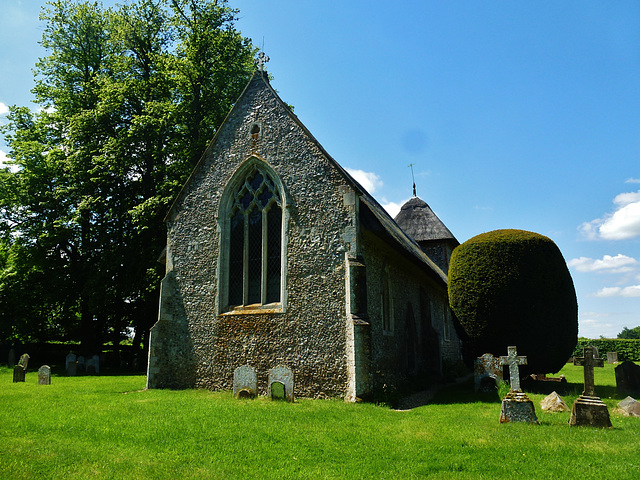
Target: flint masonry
[277,256]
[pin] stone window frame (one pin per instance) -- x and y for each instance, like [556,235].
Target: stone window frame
[227,201]
[446,324]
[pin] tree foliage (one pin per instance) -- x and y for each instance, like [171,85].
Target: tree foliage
[630,333]
[512,287]
[128,98]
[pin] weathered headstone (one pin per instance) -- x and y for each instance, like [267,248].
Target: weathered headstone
[516,405]
[71,358]
[487,373]
[612,357]
[24,361]
[81,364]
[588,409]
[284,376]
[18,374]
[628,377]
[11,361]
[44,375]
[72,369]
[554,403]
[245,382]
[96,363]
[629,407]
[90,367]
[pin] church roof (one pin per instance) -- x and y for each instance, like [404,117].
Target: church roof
[419,222]
[393,232]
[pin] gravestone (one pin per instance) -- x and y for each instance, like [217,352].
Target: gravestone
[516,405]
[283,375]
[81,364]
[24,361]
[96,363]
[628,377]
[554,403]
[71,358]
[72,369]
[487,373]
[629,407]
[90,366]
[612,357]
[245,382]
[18,374]
[588,409]
[44,375]
[11,361]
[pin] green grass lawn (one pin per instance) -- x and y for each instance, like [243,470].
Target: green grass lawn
[109,427]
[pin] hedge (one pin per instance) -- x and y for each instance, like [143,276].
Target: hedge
[627,349]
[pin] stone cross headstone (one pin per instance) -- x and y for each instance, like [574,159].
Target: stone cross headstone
[283,375]
[516,405]
[588,409]
[245,382]
[513,361]
[589,360]
[44,375]
[12,358]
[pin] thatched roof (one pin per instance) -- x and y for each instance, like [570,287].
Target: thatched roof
[419,222]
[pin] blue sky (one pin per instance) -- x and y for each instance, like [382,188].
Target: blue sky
[516,115]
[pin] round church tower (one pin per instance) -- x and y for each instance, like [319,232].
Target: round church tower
[418,221]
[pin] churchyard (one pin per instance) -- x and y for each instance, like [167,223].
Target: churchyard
[109,427]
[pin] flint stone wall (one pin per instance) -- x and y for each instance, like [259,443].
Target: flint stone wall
[408,285]
[197,347]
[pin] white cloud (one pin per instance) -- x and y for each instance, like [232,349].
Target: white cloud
[632,180]
[392,208]
[608,264]
[631,291]
[3,109]
[622,224]
[369,180]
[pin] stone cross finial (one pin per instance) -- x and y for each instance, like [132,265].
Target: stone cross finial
[588,361]
[260,61]
[513,360]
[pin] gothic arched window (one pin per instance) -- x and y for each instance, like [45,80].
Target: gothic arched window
[254,235]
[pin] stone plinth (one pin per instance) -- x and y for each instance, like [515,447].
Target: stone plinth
[517,407]
[589,411]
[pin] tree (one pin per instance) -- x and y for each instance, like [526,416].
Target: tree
[630,334]
[129,96]
[512,287]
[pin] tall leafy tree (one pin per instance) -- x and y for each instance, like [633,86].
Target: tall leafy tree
[128,98]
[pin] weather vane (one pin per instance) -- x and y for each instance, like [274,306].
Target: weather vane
[260,61]
[413,178]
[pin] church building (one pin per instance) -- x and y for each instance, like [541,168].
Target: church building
[276,256]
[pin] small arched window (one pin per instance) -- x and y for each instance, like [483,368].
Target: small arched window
[254,266]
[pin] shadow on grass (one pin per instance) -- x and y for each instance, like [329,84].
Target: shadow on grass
[463,392]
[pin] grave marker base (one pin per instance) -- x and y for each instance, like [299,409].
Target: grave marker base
[589,411]
[517,407]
